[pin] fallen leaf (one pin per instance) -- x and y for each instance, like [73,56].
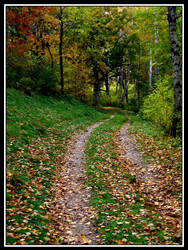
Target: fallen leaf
[120,242]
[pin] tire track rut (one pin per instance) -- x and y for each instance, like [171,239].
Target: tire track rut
[73,216]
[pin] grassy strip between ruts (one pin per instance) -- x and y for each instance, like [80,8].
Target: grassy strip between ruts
[124,216]
[38,132]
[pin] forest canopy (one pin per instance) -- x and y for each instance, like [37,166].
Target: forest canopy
[129,57]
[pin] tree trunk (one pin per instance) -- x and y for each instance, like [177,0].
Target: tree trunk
[127,82]
[117,80]
[51,56]
[176,69]
[150,68]
[121,97]
[125,86]
[137,78]
[107,84]
[156,41]
[117,84]
[61,51]
[96,87]
[96,93]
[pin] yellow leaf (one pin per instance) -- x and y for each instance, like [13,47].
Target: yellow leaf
[120,242]
[46,238]
[9,173]
[85,240]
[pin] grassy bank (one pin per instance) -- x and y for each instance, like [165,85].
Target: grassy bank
[38,131]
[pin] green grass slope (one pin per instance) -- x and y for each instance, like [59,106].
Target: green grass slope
[38,129]
[28,117]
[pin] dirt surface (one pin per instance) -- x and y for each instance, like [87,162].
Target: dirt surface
[150,180]
[70,211]
[73,216]
[129,153]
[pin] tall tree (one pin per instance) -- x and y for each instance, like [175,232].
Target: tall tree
[61,50]
[156,42]
[101,31]
[150,66]
[176,68]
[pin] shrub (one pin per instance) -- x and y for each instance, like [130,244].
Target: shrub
[14,71]
[158,106]
[133,105]
[25,83]
[31,74]
[44,78]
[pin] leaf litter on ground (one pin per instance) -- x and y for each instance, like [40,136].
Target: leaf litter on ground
[123,212]
[31,164]
[127,212]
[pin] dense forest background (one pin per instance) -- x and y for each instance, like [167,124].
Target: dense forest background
[128,57]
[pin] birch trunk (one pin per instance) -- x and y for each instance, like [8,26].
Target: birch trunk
[150,68]
[176,68]
[156,41]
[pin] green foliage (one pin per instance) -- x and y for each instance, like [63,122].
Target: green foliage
[25,83]
[145,126]
[111,100]
[158,106]
[31,74]
[14,70]
[44,79]
[133,105]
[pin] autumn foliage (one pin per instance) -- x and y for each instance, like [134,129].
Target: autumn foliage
[60,58]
